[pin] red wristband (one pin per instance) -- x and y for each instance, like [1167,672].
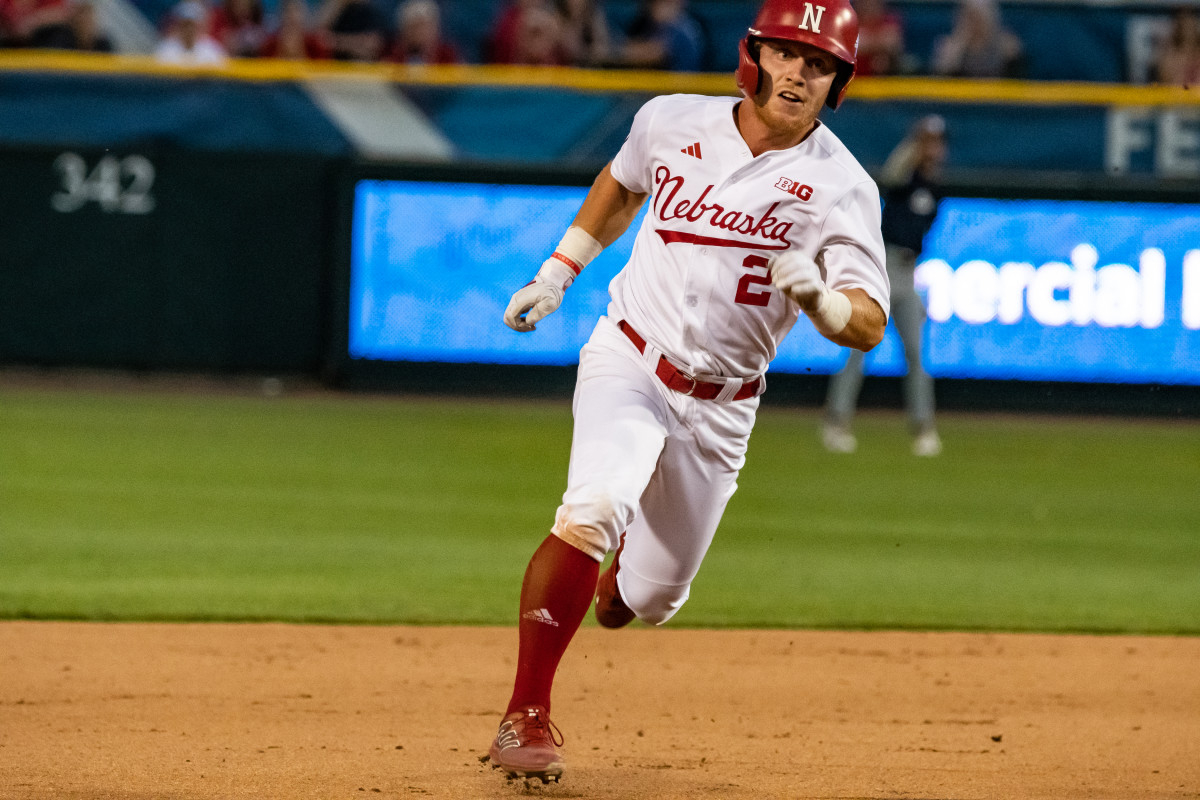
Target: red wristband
[570,263]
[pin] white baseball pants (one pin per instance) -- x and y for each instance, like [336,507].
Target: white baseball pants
[654,463]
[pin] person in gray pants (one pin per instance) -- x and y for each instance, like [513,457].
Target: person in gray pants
[911,185]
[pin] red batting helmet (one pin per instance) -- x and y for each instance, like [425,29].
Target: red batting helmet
[830,25]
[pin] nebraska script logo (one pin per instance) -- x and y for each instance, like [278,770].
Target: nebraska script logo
[671,203]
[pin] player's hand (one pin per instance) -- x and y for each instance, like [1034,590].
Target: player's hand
[540,297]
[799,277]
[530,304]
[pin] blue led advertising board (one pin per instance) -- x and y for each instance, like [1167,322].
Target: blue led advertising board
[1047,290]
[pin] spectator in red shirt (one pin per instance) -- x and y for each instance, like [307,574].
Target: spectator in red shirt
[527,32]
[238,26]
[539,39]
[500,42]
[419,38]
[36,23]
[880,39]
[294,38]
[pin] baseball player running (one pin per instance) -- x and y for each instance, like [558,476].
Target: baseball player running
[758,214]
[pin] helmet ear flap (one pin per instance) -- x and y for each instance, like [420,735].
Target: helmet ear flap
[749,75]
[838,89]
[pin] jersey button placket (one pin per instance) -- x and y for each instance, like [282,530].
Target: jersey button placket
[692,323]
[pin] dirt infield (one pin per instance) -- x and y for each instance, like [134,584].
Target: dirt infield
[140,711]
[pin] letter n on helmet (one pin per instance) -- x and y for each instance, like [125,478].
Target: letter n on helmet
[830,25]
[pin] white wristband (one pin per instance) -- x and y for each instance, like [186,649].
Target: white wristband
[833,314]
[578,246]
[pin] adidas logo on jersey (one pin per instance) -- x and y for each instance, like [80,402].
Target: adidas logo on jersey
[692,150]
[540,615]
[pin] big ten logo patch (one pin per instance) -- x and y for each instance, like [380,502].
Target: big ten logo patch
[801,190]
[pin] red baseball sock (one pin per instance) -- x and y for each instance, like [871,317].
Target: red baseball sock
[558,589]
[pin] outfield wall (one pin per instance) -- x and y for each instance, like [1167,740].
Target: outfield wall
[554,117]
[164,219]
[155,258]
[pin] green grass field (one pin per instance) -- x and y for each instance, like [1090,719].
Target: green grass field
[183,506]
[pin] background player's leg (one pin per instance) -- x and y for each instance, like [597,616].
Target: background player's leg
[681,509]
[908,315]
[844,387]
[909,318]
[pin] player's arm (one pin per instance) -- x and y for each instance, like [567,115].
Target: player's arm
[866,325]
[851,310]
[608,209]
[605,214]
[850,317]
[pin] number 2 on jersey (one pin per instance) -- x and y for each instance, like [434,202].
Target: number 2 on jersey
[747,292]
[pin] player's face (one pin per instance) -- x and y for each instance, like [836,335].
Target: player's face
[797,78]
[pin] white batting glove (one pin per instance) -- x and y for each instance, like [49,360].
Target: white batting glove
[799,277]
[540,297]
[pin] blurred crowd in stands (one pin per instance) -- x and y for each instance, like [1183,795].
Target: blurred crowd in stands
[1177,62]
[54,24]
[661,34]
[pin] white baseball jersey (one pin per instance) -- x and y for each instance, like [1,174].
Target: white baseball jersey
[696,284]
[660,465]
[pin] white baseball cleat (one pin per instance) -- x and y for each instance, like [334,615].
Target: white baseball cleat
[927,444]
[838,439]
